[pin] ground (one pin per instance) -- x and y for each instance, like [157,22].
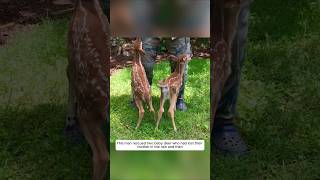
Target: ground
[192,124]
[278,110]
[17,15]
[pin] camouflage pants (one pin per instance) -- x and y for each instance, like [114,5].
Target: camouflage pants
[227,106]
[175,46]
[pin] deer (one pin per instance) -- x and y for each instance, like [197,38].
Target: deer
[225,20]
[88,77]
[140,86]
[170,87]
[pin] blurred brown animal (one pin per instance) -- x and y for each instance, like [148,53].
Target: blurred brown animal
[170,88]
[139,83]
[225,20]
[88,75]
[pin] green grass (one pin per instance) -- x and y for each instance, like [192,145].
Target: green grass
[278,113]
[278,109]
[33,96]
[33,66]
[192,124]
[33,146]
[278,104]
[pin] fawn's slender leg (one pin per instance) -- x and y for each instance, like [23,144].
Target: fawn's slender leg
[141,111]
[161,109]
[151,109]
[173,100]
[96,139]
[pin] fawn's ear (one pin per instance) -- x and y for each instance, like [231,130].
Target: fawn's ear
[185,58]
[142,52]
[139,39]
[138,42]
[173,57]
[137,45]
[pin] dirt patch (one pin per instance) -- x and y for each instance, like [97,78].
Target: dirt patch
[121,61]
[17,15]
[32,11]
[121,52]
[9,32]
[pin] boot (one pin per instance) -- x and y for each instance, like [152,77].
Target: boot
[181,105]
[227,139]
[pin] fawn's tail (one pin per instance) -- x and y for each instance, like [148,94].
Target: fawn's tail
[164,88]
[162,83]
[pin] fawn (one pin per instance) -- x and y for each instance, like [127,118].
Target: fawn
[88,75]
[225,22]
[139,83]
[170,88]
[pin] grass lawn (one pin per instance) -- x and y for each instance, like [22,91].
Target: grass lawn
[278,105]
[278,111]
[33,96]
[192,124]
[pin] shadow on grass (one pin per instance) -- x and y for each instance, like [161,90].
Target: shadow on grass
[33,145]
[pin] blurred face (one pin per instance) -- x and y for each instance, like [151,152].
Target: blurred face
[160,18]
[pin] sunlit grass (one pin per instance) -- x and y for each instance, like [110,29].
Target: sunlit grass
[278,104]
[192,124]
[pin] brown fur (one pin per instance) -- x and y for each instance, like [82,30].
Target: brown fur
[139,83]
[225,21]
[172,84]
[88,74]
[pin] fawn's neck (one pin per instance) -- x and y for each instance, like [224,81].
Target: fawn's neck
[137,58]
[180,68]
[93,7]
